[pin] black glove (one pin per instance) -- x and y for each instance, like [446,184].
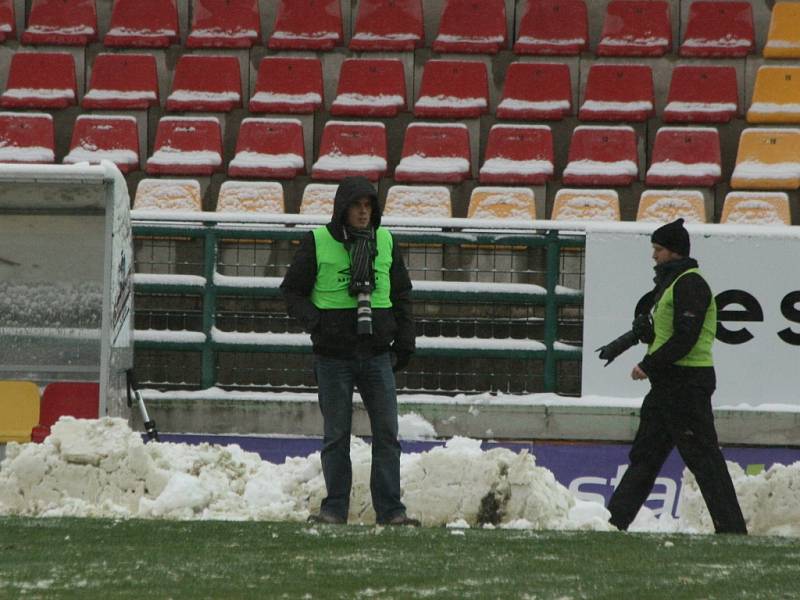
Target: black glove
[643,328]
[400,359]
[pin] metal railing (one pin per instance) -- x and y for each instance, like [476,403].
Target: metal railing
[483,291]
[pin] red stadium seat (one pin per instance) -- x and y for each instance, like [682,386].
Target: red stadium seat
[224,24]
[26,138]
[618,93]
[518,154]
[474,26]
[535,91]
[102,137]
[40,80]
[143,24]
[685,156]
[453,89]
[636,28]
[122,82]
[206,83]
[307,25]
[602,156]
[351,148]
[269,149]
[288,85]
[186,146]
[394,26]
[554,27]
[61,23]
[370,87]
[435,153]
[702,94]
[8,22]
[66,399]
[719,29]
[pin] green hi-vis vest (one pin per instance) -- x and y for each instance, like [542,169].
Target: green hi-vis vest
[700,355]
[333,272]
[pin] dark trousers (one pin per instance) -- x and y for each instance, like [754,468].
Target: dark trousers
[678,414]
[336,379]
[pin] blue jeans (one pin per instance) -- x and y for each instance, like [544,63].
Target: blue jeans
[336,379]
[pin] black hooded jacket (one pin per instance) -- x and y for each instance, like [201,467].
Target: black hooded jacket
[333,331]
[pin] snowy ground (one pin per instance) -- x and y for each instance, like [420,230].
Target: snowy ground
[102,468]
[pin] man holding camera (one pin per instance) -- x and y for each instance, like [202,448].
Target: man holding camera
[349,288]
[679,365]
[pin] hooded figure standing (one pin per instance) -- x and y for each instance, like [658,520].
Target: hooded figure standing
[349,288]
[680,367]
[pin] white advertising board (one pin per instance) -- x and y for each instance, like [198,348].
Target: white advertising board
[754,273]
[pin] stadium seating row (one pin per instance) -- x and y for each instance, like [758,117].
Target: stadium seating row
[431,202]
[376,88]
[630,28]
[24,417]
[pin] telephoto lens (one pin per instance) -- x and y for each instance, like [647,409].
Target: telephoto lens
[364,313]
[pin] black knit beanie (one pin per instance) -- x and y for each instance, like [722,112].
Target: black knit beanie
[673,236]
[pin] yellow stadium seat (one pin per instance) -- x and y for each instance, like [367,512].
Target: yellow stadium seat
[318,199]
[502,203]
[776,95]
[586,205]
[768,159]
[418,201]
[168,194]
[251,197]
[19,410]
[756,208]
[783,39]
[664,206]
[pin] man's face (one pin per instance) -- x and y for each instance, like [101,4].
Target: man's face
[359,213]
[663,255]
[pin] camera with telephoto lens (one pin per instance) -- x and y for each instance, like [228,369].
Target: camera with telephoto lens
[641,331]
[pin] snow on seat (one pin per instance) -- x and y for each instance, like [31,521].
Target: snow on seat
[702,94]
[351,148]
[453,89]
[313,25]
[768,159]
[318,199]
[783,39]
[269,148]
[122,82]
[66,398]
[26,138]
[251,197]
[224,24]
[586,205]
[602,156]
[756,208]
[370,88]
[664,206]
[432,202]
[206,83]
[394,26]
[186,146]
[518,154]
[8,21]
[435,153]
[40,80]
[553,27]
[473,26]
[618,93]
[512,203]
[61,23]
[536,91]
[19,410]
[288,85]
[776,95]
[719,29]
[102,137]
[685,156]
[168,194]
[143,24]
[636,28]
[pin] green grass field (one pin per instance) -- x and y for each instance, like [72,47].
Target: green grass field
[84,558]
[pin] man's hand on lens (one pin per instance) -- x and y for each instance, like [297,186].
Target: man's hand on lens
[643,328]
[637,373]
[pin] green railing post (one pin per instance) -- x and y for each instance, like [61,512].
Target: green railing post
[208,375]
[551,310]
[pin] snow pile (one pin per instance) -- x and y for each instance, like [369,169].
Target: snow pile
[250,196]
[247,159]
[419,201]
[318,199]
[169,156]
[417,164]
[270,98]
[600,167]
[413,426]
[168,194]
[450,102]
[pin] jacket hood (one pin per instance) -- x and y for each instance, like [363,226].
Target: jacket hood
[351,189]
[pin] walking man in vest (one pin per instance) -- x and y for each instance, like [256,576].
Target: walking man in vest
[349,288]
[679,365]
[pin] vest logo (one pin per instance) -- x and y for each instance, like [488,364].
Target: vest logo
[343,276]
